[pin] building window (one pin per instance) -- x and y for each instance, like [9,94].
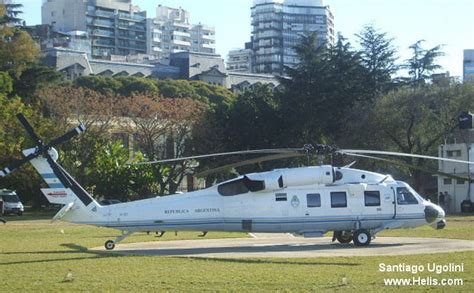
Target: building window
[338,200]
[280,197]
[313,200]
[460,181]
[447,181]
[454,153]
[372,198]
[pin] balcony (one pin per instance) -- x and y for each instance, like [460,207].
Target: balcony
[182,43]
[103,33]
[103,13]
[102,43]
[182,34]
[134,17]
[103,23]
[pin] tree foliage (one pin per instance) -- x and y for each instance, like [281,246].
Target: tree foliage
[162,129]
[320,90]
[417,120]
[378,56]
[422,63]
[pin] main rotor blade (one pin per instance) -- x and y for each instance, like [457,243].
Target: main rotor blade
[17,164]
[403,155]
[248,162]
[29,129]
[263,151]
[409,165]
[78,130]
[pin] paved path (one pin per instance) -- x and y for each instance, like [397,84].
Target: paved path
[287,246]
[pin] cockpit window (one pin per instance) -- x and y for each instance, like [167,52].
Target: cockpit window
[240,186]
[405,196]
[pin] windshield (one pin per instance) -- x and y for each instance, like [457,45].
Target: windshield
[10,198]
[405,196]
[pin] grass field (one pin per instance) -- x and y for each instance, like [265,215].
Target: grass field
[36,255]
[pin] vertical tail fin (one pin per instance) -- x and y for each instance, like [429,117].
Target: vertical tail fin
[63,189]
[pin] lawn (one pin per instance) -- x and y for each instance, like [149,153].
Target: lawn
[36,255]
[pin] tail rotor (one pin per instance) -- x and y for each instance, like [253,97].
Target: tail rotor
[41,149]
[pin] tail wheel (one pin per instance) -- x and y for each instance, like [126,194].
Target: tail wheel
[362,237]
[109,244]
[344,237]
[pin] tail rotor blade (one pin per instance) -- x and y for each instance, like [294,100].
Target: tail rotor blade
[17,164]
[78,130]
[29,129]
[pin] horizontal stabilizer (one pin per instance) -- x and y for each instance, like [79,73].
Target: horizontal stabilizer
[59,195]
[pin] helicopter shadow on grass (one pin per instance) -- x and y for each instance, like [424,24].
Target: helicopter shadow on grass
[277,248]
[74,249]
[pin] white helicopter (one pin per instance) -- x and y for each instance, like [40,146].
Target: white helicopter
[307,201]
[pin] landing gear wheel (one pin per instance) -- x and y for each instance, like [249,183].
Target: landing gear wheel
[362,237]
[109,244]
[344,237]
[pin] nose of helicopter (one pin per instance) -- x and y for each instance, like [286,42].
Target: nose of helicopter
[434,215]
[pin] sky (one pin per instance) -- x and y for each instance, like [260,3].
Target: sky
[439,22]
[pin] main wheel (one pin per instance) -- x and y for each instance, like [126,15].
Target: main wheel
[109,244]
[344,237]
[362,237]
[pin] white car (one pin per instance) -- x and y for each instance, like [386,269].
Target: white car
[11,202]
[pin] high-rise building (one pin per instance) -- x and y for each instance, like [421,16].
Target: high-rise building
[115,27]
[468,66]
[277,27]
[239,60]
[171,32]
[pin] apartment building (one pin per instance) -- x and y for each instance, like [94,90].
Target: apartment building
[468,66]
[277,27]
[114,27]
[240,60]
[171,32]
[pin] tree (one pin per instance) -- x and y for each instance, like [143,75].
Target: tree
[34,78]
[17,51]
[422,63]
[252,121]
[101,84]
[320,90]
[416,120]
[378,56]
[67,107]
[9,14]
[137,85]
[13,139]
[113,177]
[162,129]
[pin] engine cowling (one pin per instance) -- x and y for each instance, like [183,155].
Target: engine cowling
[282,178]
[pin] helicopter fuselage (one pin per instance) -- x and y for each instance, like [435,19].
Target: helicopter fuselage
[309,210]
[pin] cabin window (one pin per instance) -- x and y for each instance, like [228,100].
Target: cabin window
[313,200]
[405,197]
[280,197]
[372,198]
[338,200]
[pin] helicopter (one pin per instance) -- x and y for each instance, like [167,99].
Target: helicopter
[305,201]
